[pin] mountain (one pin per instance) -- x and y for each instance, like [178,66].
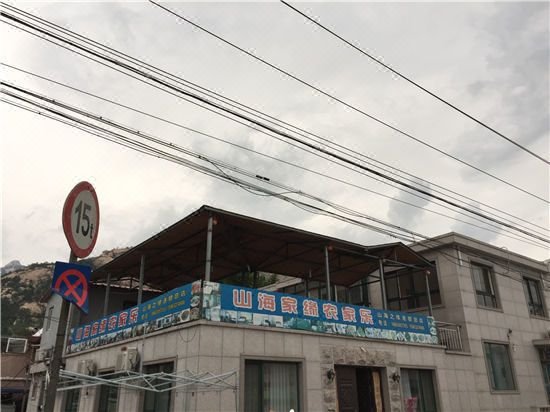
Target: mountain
[24,289]
[13,266]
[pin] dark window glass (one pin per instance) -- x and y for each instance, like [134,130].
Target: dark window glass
[271,386]
[158,401]
[406,289]
[484,285]
[534,296]
[72,399]
[418,390]
[108,398]
[500,366]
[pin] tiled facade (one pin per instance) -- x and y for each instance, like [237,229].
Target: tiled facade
[461,379]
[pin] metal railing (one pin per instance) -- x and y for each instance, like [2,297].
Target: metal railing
[449,336]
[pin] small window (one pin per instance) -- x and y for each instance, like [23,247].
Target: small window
[271,386]
[499,366]
[418,390]
[72,399]
[16,345]
[108,397]
[484,286]
[158,401]
[534,296]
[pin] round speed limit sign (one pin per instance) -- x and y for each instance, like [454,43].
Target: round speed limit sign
[81,219]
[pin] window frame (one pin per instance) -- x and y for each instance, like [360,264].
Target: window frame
[66,399]
[98,392]
[300,363]
[417,293]
[488,367]
[435,383]
[492,284]
[539,290]
[171,392]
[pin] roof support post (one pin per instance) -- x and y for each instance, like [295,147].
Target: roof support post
[107,291]
[208,265]
[141,276]
[430,309]
[327,271]
[382,283]
[307,284]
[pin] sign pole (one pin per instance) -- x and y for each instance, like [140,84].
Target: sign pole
[80,220]
[55,363]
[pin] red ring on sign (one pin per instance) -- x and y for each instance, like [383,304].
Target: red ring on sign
[81,279]
[67,207]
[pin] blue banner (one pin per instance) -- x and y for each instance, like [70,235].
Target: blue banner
[174,307]
[233,304]
[71,281]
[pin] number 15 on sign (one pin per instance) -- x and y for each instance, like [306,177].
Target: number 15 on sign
[81,219]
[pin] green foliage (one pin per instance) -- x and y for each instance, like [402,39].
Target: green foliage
[17,320]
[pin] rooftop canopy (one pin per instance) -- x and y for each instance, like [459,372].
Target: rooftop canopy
[240,244]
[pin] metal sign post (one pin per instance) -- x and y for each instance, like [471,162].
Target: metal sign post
[81,226]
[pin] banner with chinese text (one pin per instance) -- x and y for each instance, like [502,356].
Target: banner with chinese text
[174,307]
[233,304]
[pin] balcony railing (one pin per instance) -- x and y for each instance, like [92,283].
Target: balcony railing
[449,336]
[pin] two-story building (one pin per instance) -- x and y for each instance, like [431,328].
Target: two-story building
[449,324]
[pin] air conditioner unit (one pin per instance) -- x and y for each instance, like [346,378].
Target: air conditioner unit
[87,367]
[127,360]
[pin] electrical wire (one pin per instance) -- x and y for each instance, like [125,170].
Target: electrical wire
[272,129]
[156,140]
[343,102]
[143,148]
[275,158]
[207,108]
[233,103]
[408,79]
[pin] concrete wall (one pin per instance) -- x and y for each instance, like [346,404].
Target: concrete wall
[223,347]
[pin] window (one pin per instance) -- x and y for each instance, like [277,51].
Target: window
[72,400]
[158,401]
[108,397]
[499,366]
[418,390]
[484,286]
[534,296]
[271,386]
[406,289]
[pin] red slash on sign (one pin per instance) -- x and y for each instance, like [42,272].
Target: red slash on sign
[71,282]
[71,285]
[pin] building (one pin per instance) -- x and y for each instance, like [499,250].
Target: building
[16,355]
[347,327]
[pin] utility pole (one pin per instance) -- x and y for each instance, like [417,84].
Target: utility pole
[57,356]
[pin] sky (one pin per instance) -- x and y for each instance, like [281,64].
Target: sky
[491,59]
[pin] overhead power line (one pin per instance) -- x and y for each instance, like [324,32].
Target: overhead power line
[399,233]
[44,98]
[343,102]
[263,116]
[263,125]
[254,189]
[408,79]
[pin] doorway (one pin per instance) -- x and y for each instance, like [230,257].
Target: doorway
[359,389]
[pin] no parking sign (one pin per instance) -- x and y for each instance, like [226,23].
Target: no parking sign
[70,281]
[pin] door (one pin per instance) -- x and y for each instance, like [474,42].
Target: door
[346,385]
[359,389]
